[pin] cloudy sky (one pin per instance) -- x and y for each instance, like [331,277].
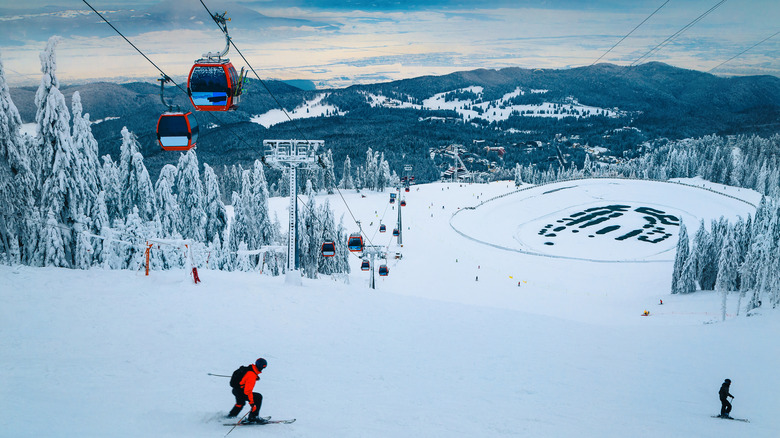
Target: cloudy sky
[340,43]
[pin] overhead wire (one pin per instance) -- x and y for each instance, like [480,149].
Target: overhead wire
[163,72]
[744,51]
[628,34]
[672,37]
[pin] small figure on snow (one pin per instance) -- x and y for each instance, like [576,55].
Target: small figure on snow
[646,313]
[243,383]
[725,406]
[661,303]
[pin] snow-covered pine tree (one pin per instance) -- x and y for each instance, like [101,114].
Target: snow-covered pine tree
[727,268]
[342,253]
[86,150]
[52,248]
[346,175]
[266,234]
[681,257]
[136,186]
[190,197]
[16,177]
[236,232]
[216,214]
[383,174]
[518,174]
[83,251]
[167,206]
[49,131]
[101,224]
[706,262]
[309,239]
[110,181]
[329,175]
[370,170]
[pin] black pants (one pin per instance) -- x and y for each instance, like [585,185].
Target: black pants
[241,400]
[725,406]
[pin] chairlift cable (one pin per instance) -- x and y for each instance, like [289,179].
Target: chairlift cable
[744,51]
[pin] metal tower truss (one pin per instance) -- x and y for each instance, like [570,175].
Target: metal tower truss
[292,155]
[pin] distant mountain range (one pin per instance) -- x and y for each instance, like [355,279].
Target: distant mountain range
[608,108]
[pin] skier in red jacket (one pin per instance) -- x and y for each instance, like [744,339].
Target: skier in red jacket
[242,390]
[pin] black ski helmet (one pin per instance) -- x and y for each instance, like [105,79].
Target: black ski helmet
[727,382]
[261,363]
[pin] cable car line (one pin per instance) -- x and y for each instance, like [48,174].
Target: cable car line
[678,33]
[163,73]
[628,34]
[744,51]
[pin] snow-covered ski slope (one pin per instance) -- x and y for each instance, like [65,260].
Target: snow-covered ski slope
[464,338]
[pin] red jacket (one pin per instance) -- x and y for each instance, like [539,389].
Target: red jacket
[248,383]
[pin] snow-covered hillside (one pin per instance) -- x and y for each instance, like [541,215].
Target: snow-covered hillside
[468,336]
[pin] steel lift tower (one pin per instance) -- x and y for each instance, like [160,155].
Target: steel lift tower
[292,155]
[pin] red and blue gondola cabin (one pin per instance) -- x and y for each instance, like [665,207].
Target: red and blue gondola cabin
[403,203]
[329,249]
[365,265]
[214,85]
[177,131]
[383,270]
[355,243]
[396,232]
[382,228]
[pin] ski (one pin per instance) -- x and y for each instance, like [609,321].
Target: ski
[261,424]
[732,418]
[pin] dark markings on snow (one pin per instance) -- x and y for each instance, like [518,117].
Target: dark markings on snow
[651,232]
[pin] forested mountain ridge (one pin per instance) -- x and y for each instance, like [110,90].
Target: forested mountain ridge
[500,108]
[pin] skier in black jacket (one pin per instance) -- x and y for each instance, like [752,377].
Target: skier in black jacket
[725,406]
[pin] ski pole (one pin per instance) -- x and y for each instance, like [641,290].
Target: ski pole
[237,423]
[217,375]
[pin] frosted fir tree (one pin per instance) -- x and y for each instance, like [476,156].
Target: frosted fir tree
[136,185]
[86,149]
[190,196]
[110,179]
[370,170]
[216,214]
[309,240]
[237,230]
[727,269]
[61,189]
[706,262]
[329,174]
[681,257]
[50,126]
[16,177]
[243,261]
[52,247]
[346,175]
[266,232]
[342,253]
[166,202]
[101,224]
[383,174]
[83,252]
[518,175]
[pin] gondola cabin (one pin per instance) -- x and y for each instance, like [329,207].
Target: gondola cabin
[395,232]
[392,198]
[382,228]
[406,189]
[403,203]
[214,85]
[383,270]
[328,249]
[365,265]
[177,131]
[355,243]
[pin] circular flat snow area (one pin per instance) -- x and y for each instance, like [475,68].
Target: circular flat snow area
[597,219]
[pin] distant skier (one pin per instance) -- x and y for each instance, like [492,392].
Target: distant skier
[243,383]
[725,406]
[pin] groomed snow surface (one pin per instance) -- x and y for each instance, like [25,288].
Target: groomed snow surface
[468,336]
